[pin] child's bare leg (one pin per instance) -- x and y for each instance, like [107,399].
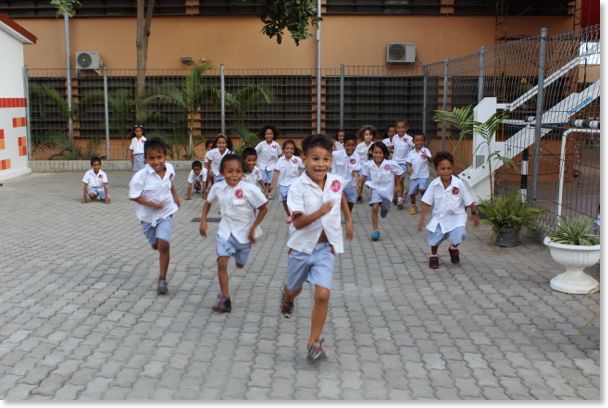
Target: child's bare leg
[319,313]
[350,207]
[434,249]
[375,209]
[222,274]
[290,295]
[413,199]
[286,208]
[163,253]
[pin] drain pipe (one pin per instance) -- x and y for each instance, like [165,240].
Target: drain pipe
[562,162]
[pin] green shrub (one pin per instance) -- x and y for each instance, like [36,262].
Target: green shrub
[574,231]
[508,211]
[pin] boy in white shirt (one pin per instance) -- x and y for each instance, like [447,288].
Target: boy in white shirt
[286,171]
[347,164]
[222,145]
[402,145]
[418,169]
[268,153]
[243,207]
[449,198]
[153,189]
[95,183]
[197,178]
[252,173]
[316,202]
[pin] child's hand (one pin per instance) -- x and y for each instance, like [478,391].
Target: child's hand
[326,207]
[202,228]
[178,201]
[83,200]
[108,200]
[475,220]
[421,224]
[251,235]
[349,229]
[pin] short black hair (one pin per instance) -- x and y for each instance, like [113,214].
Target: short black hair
[350,136]
[317,141]
[223,136]
[262,131]
[197,164]
[231,157]
[155,143]
[381,146]
[249,151]
[296,150]
[441,156]
[95,159]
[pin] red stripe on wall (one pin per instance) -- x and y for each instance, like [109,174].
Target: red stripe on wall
[12,102]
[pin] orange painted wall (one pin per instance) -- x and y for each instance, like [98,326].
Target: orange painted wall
[237,42]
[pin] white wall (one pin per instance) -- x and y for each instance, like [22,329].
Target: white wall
[11,86]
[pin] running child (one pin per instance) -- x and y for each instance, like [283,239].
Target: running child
[367,134]
[243,207]
[268,154]
[95,183]
[317,203]
[380,174]
[222,145]
[449,198]
[286,171]
[388,140]
[252,173]
[339,140]
[402,145]
[418,169]
[136,148]
[347,164]
[153,190]
[197,179]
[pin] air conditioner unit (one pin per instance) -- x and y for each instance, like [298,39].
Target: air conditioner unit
[88,60]
[401,53]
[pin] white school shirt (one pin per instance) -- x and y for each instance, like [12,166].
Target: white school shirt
[387,142]
[306,197]
[137,145]
[343,165]
[382,178]
[254,176]
[289,170]
[215,157]
[237,206]
[268,154]
[147,183]
[202,176]
[95,180]
[338,145]
[448,204]
[363,150]
[402,147]
[420,165]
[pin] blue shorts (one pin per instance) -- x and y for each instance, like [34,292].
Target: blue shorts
[350,192]
[456,236]
[162,230]
[98,191]
[267,176]
[283,191]
[138,161]
[316,268]
[376,197]
[416,185]
[232,247]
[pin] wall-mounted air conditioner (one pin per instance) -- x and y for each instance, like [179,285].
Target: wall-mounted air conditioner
[88,60]
[400,53]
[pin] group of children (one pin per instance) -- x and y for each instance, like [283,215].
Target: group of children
[316,201]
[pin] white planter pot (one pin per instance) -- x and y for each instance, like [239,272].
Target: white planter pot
[574,258]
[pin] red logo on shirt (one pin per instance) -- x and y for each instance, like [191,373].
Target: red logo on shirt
[238,193]
[335,186]
[294,160]
[100,176]
[455,190]
[171,177]
[273,146]
[353,161]
[387,167]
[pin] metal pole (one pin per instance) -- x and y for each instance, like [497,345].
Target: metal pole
[106,111]
[445,99]
[424,99]
[28,128]
[341,96]
[482,52]
[539,112]
[223,99]
[66,20]
[319,67]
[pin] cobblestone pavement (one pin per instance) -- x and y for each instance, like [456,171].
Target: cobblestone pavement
[80,317]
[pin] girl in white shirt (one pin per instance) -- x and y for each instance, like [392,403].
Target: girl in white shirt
[418,169]
[379,174]
[285,172]
[367,134]
[136,148]
[269,152]
[339,141]
[222,145]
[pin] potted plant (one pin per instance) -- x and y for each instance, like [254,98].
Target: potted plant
[573,245]
[508,214]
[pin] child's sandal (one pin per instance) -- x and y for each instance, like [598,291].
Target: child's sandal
[434,262]
[454,255]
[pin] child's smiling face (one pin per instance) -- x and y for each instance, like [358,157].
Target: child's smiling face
[232,172]
[221,144]
[349,146]
[367,136]
[318,162]
[444,169]
[268,135]
[251,161]
[378,155]
[289,150]
[156,159]
[418,141]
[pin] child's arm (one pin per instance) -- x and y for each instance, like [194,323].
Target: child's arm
[105,190]
[84,192]
[261,213]
[176,198]
[189,192]
[209,175]
[303,220]
[202,228]
[348,219]
[275,177]
[131,156]
[263,187]
[474,214]
[425,211]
